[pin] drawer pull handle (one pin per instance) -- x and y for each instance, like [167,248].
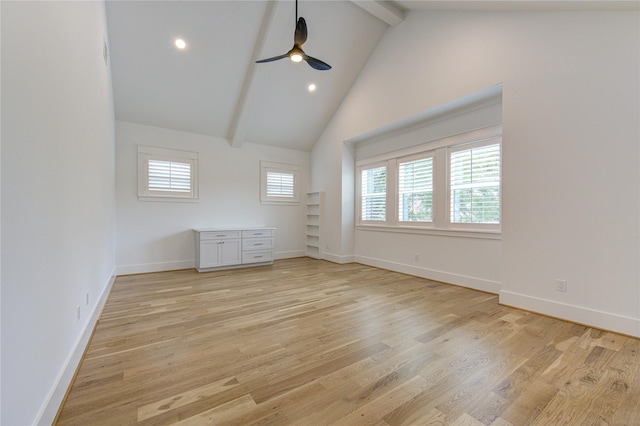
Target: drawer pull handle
[258,244]
[257,257]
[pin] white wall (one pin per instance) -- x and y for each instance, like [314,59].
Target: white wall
[571,155]
[155,236]
[58,197]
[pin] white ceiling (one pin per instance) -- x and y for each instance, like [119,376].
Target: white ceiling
[214,87]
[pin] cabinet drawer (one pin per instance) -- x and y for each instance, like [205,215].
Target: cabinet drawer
[257,233]
[217,235]
[257,244]
[257,256]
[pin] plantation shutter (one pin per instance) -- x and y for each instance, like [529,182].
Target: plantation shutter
[280,184]
[374,194]
[170,176]
[475,184]
[415,190]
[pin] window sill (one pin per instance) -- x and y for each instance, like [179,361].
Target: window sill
[168,199]
[458,233]
[280,203]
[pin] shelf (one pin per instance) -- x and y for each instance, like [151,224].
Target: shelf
[313,252]
[314,228]
[313,198]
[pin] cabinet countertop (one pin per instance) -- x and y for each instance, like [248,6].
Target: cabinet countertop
[252,228]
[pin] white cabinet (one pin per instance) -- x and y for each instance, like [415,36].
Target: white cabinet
[233,248]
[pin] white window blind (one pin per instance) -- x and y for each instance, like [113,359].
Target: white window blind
[475,184]
[169,176]
[280,184]
[415,190]
[374,194]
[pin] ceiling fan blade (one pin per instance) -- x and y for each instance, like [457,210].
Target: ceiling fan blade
[275,58]
[317,63]
[300,35]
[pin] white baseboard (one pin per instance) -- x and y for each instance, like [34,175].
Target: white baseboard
[289,254]
[174,265]
[337,258]
[52,403]
[143,268]
[578,314]
[433,274]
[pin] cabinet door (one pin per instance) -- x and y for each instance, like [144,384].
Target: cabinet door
[230,252]
[210,253]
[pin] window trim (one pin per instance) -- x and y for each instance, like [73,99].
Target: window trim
[293,169]
[146,153]
[441,192]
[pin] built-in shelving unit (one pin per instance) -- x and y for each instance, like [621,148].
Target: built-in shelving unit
[315,201]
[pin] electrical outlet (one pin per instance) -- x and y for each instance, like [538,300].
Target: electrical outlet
[561,285]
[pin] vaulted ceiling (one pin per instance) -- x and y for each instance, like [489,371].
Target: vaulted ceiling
[214,87]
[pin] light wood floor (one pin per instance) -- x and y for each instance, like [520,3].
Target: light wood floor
[310,342]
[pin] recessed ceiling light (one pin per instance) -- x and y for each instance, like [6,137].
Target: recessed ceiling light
[312,87]
[180,43]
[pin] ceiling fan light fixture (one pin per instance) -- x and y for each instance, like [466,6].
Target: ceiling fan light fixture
[296,54]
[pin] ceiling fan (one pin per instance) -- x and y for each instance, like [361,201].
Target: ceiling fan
[296,54]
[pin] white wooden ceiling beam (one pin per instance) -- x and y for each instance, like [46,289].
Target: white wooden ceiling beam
[386,11]
[244,110]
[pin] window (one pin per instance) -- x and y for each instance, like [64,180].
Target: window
[279,183]
[452,184]
[167,174]
[475,184]
[415,190]
[374,194]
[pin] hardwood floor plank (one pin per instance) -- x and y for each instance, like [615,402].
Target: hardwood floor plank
[308,342]
[220,413]
[377,409]
[628,360]
[283,384]
[179,400]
